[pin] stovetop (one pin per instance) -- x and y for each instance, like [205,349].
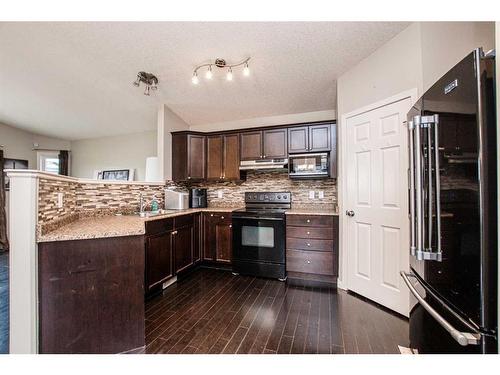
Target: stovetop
[265,204]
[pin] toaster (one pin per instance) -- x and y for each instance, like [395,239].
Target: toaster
[175,200]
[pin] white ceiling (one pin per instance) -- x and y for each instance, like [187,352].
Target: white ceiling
[74,80]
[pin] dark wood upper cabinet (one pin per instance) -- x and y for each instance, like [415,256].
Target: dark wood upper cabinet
[298,139]
[188,157]
[275,144]
[313,138]
[231,157]
[214,157]
[251,145]
[319,138]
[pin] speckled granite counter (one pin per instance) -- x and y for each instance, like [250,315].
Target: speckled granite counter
[313,211]
[114,226]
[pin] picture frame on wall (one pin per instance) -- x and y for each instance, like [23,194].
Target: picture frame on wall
[13,164]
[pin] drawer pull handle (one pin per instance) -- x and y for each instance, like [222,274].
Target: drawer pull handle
[308,220]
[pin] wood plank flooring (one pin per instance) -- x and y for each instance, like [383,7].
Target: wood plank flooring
[213,311]
[4,303]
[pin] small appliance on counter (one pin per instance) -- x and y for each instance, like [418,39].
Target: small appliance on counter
[309,165]
[198,198]
[175,200]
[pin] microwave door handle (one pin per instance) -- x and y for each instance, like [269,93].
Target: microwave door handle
[463,338]
[411,170]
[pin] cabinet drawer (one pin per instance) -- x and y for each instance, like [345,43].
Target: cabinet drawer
[219,215]
[182,221]
[310,262]
[158,226]
[309,232]
[310,220]
[309,244]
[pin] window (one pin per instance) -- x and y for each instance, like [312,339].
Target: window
[48,161]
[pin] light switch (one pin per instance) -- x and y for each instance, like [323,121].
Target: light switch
[219,194]
[311,194]
[321,194]
[60,200]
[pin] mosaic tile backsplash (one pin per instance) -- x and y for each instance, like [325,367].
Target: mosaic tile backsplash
[83,199]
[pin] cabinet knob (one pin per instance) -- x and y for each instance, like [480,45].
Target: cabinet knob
[264,156]
[308,221]
[308,244]
[308,232]
[222,217]
[174,232]
[211,215]
[230,225]
[308,262]
[189,177]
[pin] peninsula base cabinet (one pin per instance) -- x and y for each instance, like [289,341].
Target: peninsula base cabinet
[312,248]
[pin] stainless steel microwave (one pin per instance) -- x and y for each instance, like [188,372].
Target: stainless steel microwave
[314,165]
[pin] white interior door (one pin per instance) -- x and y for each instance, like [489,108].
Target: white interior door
[377,197]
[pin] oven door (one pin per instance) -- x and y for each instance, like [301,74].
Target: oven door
[259,239]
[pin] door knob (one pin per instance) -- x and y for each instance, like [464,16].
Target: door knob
[349,213]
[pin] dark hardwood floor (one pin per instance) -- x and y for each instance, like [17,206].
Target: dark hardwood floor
[4,303]
[213,311]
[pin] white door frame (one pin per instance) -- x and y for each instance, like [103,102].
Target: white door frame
[342,192]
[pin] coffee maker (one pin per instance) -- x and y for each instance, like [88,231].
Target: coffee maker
[198,198]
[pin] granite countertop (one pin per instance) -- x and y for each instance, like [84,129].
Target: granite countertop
[114,225]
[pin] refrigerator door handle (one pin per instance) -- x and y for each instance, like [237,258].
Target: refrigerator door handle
[411,130]
[438,187]
[463,338]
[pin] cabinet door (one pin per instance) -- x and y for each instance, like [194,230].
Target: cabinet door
[158,259]
[197,245]
[251,145]
[275,143]
[319,138]
[214,157]
[231,157]
[224,240]
[183,247]
[298,139]
[196,157]
[209,221]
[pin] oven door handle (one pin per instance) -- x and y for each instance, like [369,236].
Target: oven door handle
[257,218]
[463,338]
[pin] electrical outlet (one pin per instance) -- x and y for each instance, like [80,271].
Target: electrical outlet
[321,194]
[60,200]
[219,194]
[311,194]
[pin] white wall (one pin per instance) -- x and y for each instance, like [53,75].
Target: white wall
[128,151]
[268,121]
[168,122]
[18,144]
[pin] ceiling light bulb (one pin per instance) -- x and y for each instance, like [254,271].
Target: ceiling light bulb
[246,70]
[137,82]
[195,79]
[209,74]
[146,90]
[229,76]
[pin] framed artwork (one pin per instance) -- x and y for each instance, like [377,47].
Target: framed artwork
[116,175]
[13,164]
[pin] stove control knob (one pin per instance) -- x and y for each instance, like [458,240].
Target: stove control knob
[279,197]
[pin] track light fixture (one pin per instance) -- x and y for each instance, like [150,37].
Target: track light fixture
[222,64]
[150,81]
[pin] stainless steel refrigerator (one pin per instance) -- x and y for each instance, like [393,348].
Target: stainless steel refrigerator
[453,212]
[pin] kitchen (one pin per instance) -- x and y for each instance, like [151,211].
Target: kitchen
[267,227]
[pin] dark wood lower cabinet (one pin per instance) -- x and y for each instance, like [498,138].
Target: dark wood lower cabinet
[218,237]
[91,295]
[183,241]
[159,267]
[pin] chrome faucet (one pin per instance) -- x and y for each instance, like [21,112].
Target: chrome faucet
[142,204]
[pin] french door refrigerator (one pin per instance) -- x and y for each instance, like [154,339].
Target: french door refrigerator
[453,212]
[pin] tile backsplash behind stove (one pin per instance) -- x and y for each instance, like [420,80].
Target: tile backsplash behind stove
[233,192]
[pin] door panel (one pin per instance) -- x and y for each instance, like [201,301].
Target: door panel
[376,175]
[251,145]
[231,157]
[214,157]
[159,258]
[196,157]
[275,143]
[183,247]
[319,138]
[298,139]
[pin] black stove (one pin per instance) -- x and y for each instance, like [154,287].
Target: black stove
[259,235]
